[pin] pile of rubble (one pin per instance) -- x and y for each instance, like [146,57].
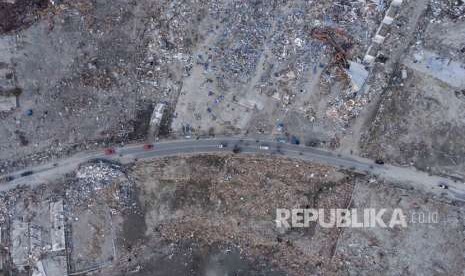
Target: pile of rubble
[453,9]
[101,179]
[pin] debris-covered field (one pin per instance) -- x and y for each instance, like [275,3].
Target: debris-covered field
[76,75]
[420,119]
[104,81]
[86,74]
[216,215]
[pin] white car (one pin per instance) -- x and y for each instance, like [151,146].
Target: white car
[263,147]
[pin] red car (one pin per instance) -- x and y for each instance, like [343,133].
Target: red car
[110,151]
[148,146]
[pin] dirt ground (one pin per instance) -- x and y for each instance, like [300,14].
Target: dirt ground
[418,122]
[216,215]
[89,73]
[418,126]
[226,200]
[419,249]
[230,201]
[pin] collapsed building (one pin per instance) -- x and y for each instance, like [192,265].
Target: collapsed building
[37,245]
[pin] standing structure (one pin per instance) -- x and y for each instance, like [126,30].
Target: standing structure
[156,119]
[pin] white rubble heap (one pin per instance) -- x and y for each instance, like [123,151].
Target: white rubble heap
[97,178]
[98,173]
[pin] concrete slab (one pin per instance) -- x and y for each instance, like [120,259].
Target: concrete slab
[57,226]
[21,243]
[358,75]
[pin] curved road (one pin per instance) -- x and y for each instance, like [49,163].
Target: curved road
[405,177]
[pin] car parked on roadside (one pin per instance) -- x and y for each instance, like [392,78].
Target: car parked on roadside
[379,161]
[443,186]
[109,151]
[8,178]
[148,146]
[26,173]
[222,145]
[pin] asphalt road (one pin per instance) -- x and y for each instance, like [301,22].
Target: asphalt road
[408,178]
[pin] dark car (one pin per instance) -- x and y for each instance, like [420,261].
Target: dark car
[26,173]
[8,178]
[295,140]
[443,186]
[148,146]
[109,151]
[379,161]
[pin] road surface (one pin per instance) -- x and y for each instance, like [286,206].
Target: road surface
[404,177]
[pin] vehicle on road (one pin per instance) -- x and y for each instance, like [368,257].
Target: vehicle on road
[222,145]
[379,161]
[148,146]
[8,178]
[312,143]
[264,147]
[295,140]
[109,151]
[443,186]
[26,173]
